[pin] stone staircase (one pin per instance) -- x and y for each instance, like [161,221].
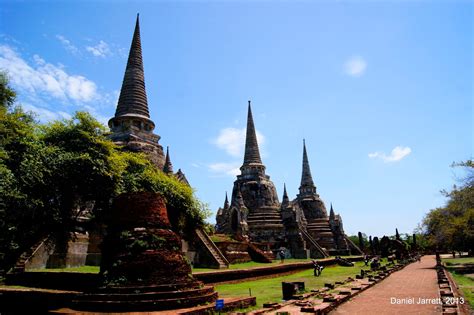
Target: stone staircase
[149,298]
[20,264]
[321,231]
[259,255]
[313,243]
[354,248]
[264,218]
[212,249]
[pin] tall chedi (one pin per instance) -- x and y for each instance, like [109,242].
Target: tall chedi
[154,275]
[254,211]
[325,230]
[131,126]
[308,198]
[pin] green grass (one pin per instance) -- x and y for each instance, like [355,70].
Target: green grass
[253,264]
[466,285]
[269,290]
[13,287]
[221,238]
[83,269]
[458,261]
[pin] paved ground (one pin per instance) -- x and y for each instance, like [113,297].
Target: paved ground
[414,282]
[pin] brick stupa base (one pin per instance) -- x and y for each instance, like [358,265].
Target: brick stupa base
[142,263]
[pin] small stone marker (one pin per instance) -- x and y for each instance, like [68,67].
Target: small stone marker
[307,309]
[270,305]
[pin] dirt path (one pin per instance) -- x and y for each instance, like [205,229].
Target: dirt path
[403,292]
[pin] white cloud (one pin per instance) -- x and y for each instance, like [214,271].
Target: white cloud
[397,154]
[100,50]
[45,115]
[225,169]
[45,78]
[355,66]
[232,140]
[67,44]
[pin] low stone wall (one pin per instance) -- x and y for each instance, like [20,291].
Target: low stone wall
[330,296]
[230,304]
[238,274]
[86,281]
[20,301]
[74,281]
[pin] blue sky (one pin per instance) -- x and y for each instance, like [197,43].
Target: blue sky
[382,92]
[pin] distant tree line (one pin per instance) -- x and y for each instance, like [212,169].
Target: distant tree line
[451,228]
[51,173]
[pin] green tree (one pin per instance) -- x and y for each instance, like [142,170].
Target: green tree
[21,171]
[452,227]
[185,212]
[51,174]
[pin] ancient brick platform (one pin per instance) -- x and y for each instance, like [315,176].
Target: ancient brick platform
[143,266]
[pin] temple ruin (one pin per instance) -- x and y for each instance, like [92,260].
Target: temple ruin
[256,215]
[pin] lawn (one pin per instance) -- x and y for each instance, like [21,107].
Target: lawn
[458,261]
[83,269]
[269,290]
[253,264]
[466,285]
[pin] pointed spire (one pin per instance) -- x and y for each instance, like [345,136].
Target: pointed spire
[285,194]
[168,167]
[133,100]
[285,201]
[397,235]
[226,202]
[181,177]
[307,184]
[332,216]
[252,154]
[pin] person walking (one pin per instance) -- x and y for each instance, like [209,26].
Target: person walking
[282,255]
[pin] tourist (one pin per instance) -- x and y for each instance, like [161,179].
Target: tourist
[282,255]
[366,260]
[317,268]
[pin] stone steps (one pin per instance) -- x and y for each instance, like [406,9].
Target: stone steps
[265,218]
[270,221]
[262,225]
[314,243]
[213,249]
[144,289]
[106,304]
[321,231]
[145,296]
[264,215]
